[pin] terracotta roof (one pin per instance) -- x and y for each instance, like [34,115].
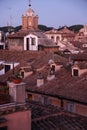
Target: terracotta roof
[19,34]
[43,39]
[81,45]
[79,57]
[65,31]
[19,56]
[82,64]
[63,86]
[27,58]
[22,33]
[48,117]
[30,12]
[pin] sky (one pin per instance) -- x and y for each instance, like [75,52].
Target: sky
[52,13]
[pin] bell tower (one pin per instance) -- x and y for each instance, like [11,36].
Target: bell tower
[30,19]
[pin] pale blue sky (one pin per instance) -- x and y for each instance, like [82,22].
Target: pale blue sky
[52,13]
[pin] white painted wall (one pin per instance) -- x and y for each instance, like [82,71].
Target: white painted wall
[75,67]
[1,43]
[2,71]
[31,47]
[80,71]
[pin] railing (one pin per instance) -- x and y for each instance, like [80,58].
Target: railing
[10,105]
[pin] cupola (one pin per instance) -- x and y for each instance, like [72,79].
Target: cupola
[29,19]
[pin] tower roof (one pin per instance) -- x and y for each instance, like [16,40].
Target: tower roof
[30,12]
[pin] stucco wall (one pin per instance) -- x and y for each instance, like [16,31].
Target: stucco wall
[18,120]
[76,107]
[81,109]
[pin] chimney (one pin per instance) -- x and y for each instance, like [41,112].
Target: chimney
[40,80]
[17,92]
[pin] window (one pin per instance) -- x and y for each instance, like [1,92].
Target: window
[22,74]
[62,104]
[40,99]
[53,67]
[3,38]
[20,42]
[1,47]
[52,70]
[32,41]
[27,43]
[47,101]
[84,45]
[30,97]
[70,107]
[57,38]
[75,72]
[7,68]
[52,37]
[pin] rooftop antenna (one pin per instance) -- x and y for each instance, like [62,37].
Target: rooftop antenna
[29,3]
[9,24]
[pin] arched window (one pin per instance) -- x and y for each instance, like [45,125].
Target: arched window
[52,37]
[57,38]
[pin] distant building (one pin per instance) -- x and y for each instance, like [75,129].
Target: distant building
[63,38]
[30,37]
[82,35]
[2,40]
[62,35]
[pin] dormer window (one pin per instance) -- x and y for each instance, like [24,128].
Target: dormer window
[22,74]
[52,69]
[75,72]
[7,68]
[84,45]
